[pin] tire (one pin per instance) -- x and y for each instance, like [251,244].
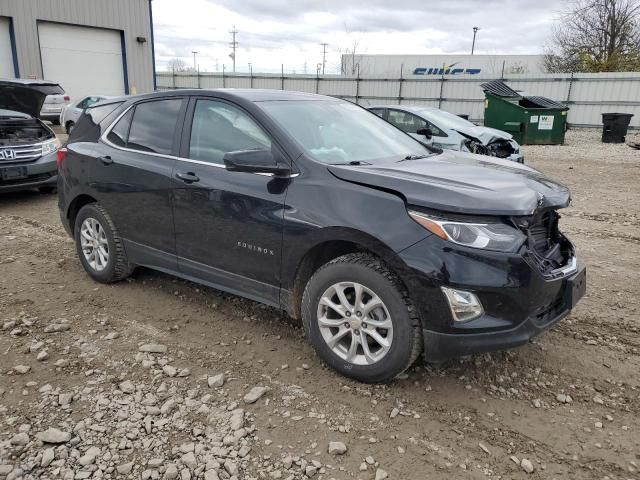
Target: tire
[373,278]
[116,267]
[46,190]
[56,121]
[69,126]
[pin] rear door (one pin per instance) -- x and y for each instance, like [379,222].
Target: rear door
[132,177]
[228,224]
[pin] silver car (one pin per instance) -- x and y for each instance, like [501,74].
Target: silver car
[54,102]
[450,132]
[70,114]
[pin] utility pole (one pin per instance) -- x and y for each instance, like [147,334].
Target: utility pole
[234,46]
[195,67]
[324,55]
[473,45]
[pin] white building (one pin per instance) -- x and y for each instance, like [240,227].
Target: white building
[87,46]
[420,65]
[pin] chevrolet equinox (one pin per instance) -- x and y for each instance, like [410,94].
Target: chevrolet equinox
[384,247]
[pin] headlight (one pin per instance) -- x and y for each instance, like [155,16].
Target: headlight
[488,236]
[50,146]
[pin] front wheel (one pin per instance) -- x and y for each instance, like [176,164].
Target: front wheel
[99,245]
[360,320]
[69,126]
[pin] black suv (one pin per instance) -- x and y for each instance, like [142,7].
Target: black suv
[383,246]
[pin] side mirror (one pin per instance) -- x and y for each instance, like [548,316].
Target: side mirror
[426,132]
[255,161]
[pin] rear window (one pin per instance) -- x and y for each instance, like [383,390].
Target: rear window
[50,89]
[100,112]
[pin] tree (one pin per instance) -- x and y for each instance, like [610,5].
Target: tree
[177,65]
[353,62]
[596,36]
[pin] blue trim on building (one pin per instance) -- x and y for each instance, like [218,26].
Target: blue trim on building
[124,63]
[153,48]
[14,48]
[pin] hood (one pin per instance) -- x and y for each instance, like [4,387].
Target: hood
[462,183]
[21,97]
[485,135]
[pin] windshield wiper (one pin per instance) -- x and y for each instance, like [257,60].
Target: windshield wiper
[414,157]
[352,162]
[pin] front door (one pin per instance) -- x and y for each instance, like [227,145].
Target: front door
[228,224]
[131,177]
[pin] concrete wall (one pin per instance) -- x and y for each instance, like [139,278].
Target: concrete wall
[129,16]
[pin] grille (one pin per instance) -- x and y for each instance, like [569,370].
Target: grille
[540,232]
[20,153]
[548,312]
[547,249]
[30,178]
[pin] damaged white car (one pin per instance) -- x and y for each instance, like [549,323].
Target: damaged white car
[450,132]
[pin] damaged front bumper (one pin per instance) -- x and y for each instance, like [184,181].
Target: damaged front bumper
[520,296]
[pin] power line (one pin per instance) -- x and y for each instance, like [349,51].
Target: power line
[324,55]
[234,46]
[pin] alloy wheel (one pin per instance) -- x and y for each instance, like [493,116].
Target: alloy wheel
[93,240]
[355,323]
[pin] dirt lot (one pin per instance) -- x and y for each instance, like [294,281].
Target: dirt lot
[72,357]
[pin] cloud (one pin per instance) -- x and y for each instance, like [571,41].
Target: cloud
[275,32]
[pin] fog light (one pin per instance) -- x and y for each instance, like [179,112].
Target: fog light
[464,306]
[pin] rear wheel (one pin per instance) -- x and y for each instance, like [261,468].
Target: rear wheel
[360,320]
[99,246]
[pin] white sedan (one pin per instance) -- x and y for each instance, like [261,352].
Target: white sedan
[70,114]
[450,132]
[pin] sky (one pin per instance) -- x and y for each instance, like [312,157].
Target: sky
[290,32]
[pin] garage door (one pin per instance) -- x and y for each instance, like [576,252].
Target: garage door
[82,60]
[6,52]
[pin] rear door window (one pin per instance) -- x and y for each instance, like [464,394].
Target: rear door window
[154,125]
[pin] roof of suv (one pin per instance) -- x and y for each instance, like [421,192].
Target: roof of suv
[250,94]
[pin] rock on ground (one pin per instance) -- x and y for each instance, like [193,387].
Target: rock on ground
[255,394]
[53,435]
[337,448]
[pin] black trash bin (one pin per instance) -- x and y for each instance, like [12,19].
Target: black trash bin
[615,126]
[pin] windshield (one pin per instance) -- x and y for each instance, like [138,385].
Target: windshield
[446,120]
[340,132]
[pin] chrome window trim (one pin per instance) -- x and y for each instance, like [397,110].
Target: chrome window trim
[104,140]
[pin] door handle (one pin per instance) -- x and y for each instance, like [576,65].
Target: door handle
[188,177]
[106,159]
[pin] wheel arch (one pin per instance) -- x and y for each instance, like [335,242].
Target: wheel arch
[74,207]
[332,243]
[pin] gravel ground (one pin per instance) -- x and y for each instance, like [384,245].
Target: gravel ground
[155,377]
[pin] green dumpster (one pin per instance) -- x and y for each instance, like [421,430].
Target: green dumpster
[531,120]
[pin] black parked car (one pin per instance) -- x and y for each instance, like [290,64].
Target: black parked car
[384,247]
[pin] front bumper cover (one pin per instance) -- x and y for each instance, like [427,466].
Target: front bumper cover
[519,302]
[42,172]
